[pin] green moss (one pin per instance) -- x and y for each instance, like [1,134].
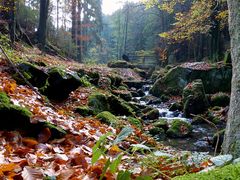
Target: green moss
[4,98]
[135,121]
[220,99]
[156,131]
[122,88]
[85,82]
[57,70]
[14,117]
[98,102]
[107,117]
[230,172]
[161,123]
[179,129]
[84,111]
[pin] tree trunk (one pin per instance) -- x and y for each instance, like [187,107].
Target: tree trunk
[232,136]
[42,27]
[79,32]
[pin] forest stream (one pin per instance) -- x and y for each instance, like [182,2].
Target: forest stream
[201,137]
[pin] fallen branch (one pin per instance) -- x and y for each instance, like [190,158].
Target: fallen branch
[214,125]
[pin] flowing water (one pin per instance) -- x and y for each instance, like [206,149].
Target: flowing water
[201,136]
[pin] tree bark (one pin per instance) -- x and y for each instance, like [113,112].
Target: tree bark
[232,135]
[42,27]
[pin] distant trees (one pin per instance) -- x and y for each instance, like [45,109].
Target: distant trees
[199,28]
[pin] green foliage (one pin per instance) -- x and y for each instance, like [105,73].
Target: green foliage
[107,117]
[230,172]
[4,98]
[99,149]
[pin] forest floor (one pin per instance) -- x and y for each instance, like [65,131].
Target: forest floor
[90,149]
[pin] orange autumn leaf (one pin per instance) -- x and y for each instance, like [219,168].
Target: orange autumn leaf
[44,135]
[114,150]
[7,167]
[29,142]
[10,87]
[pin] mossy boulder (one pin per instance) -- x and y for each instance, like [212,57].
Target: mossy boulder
[35,75]
[194,98]
[161,123]
[107,117]
[124,94]
[135,121]
[220,99]
[151,114]
[116,81]
[60,84]
[179,129]
[120,107]
[84,111]
[104,83]
[216,78]
[120,64]
[98,102]
[176,107]
[14,117]
[156,131]
[85,81]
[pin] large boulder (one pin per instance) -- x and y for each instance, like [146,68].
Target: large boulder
[215,78]
[100,102]
[61,84]
[194,98]
[35,75]
[179,129]
[220,99]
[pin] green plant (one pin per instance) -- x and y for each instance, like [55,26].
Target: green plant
[99,149]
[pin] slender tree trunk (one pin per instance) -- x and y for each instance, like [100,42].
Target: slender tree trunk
[42,27]
[11,20]
[232,136]
[79,32]
[74,18]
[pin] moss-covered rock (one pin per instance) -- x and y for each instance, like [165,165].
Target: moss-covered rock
[107,117]
[220,99]
[60,84]
[104,83]
[135,121]
[120,107]
[215,79]
[116,81]
[179,129]
[194,98]
[84,111]
[176,107]
[161,123]
[85,81]
[36,76]
[156,131]
[229,172]
[4,98]
[98,102]
[124,94]
[151,115]
[14,117]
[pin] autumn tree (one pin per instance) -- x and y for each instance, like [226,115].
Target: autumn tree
[232,136]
